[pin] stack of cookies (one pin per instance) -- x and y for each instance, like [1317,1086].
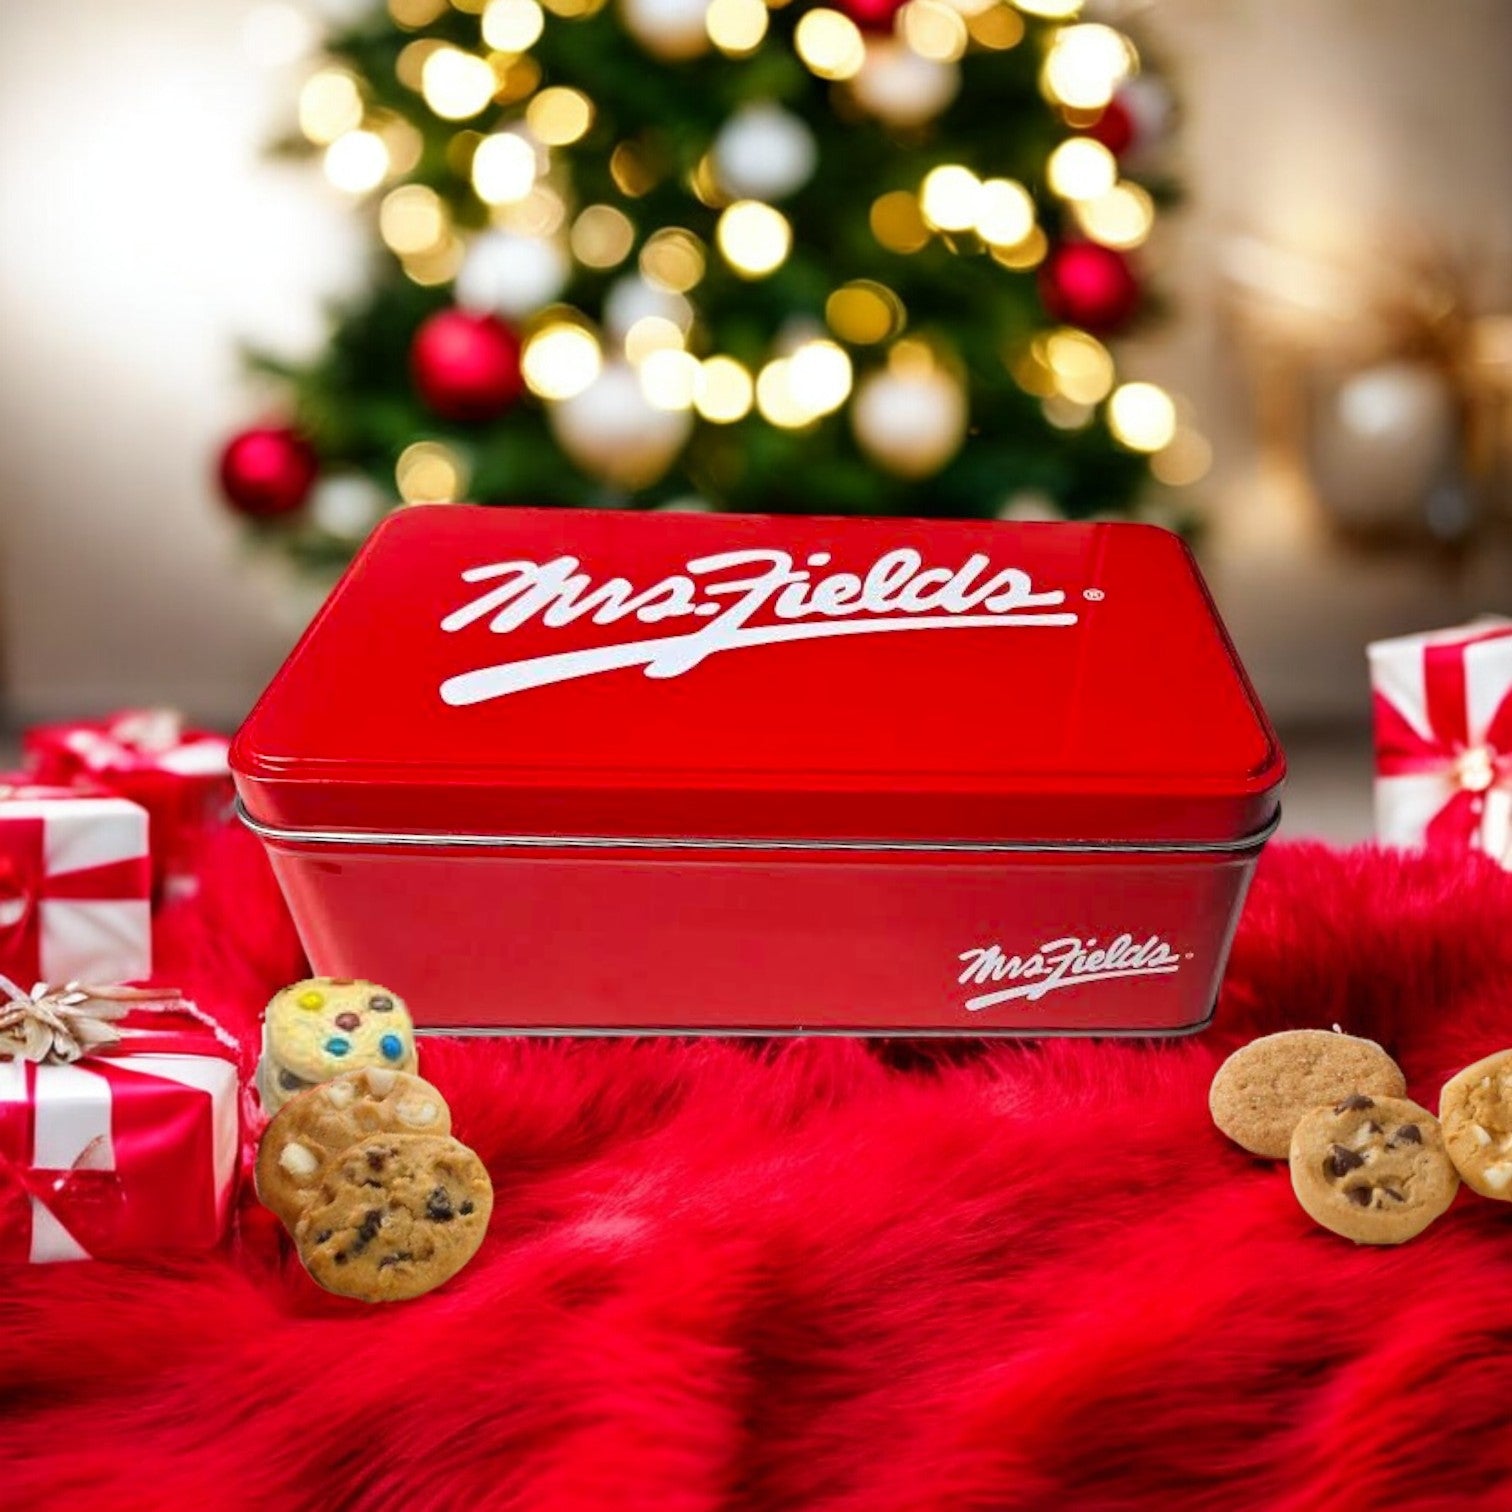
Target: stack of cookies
[316,1029]
[382,1202]
[1366,1162]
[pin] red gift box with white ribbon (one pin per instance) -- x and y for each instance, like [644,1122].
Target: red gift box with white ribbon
[1443,722]
[75,885]
[129,1151]
[150,756]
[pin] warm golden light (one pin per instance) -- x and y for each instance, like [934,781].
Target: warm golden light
[997,28]
[574,9]
[1004,213]
[1123,217]
[949,198]
[1050,10]
[329,106]
[725,391]
[1185,460]
[1064,413]
[1029,253]
[356,162]
[436,265]
[513,25]
[775,399]
[503,168]
[669,379]
[672,259]
[864,312]
[1142,416]
[429,473]
[409,67]
[413,14]
[1081,365]
[540,213]
[830,44]
[558,116]
[896,222]
[632,170]
[401,141]
[560,360]
[412,220]
[456,85]
[934,30]
[602,237]
[819,377]
[1085,64]
[754,238]
[650,334]
[1081,169]
[736,27]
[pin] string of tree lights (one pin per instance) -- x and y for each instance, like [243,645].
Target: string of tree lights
[729,254]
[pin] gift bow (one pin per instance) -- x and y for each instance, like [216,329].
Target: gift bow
[1474,765]
[59,1025]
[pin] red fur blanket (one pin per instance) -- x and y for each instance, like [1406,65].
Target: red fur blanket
[833,1275]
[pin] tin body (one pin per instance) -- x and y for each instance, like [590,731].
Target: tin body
[597,772]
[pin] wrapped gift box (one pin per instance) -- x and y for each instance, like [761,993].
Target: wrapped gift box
[75,885]
[128,1152]
[178,774]
[1443,720]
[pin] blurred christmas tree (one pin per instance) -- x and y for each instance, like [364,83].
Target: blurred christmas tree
[765,257]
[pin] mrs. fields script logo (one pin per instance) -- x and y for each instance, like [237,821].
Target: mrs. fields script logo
[719,600]
[1068,962]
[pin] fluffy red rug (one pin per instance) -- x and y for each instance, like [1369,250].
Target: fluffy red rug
[827,1274]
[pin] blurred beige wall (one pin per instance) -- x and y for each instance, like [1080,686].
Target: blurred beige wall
[145,234]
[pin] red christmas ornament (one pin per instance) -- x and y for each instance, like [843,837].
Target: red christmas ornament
[267,471]
[466,366]
[1085,285]
[872,15]
[1115,128]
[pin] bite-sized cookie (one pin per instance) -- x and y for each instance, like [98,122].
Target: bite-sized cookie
[396,1215]
[1264,1087]
[316,1029]
[1475,1109]
[1373,1169]
[314,1127]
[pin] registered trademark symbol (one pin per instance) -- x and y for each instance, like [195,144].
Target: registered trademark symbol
[1093,595]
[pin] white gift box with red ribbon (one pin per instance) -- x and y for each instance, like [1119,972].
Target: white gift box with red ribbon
[131,1151]
[75,886]
[1443,721]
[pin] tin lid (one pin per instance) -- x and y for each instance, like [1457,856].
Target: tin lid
[603,673]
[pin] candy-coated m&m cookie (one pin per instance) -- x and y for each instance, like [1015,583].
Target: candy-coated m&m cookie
[316,1029]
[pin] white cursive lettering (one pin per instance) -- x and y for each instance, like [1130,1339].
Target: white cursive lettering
[1067,962]
[728,591]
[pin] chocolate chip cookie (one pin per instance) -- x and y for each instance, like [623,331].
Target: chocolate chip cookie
[1373,1169]
[1475,1109]
[1264,1087]
[396,1215]
[310,1130]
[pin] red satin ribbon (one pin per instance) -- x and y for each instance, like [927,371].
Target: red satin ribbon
[1403,751]
[23,875]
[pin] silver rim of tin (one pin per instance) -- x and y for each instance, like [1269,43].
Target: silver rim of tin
[428,841]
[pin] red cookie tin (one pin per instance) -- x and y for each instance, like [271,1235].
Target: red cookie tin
[567,770]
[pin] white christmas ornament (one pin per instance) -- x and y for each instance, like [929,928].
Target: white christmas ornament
[898,86]
[1383,444]
[911,422]
[614,432]
[1148,102]
[631,299]
[512,275]
[348,505]
[672,29]
[763,153]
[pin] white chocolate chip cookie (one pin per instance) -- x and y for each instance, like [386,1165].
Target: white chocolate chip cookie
[315,1127]
[1475,1109]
